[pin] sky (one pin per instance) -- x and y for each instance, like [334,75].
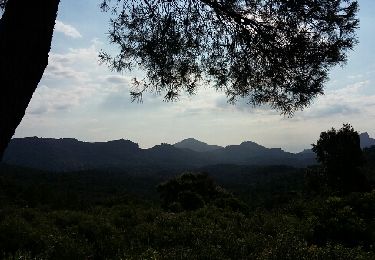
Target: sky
[79,98]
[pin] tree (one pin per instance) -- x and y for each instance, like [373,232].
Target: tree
[274,52]
[26,29]
[340,155]
[3,3]
[188,191]
[191,191]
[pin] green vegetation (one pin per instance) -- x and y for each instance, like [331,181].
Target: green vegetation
[75,216]
[193,191]
[248,213]
[341,157]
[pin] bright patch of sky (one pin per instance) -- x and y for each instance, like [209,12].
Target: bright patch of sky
[79,98]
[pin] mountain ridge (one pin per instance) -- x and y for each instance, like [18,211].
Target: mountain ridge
[69,154]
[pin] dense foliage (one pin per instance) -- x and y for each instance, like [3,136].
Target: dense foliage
[2,4]
[270,52]
[341,157]
[193,191]
[100,215]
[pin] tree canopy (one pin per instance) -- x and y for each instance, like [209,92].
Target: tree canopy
[340,154]
[191,191]
[271,52]
[3,3]
[339,148]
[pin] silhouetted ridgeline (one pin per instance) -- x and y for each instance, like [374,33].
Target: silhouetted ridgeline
[68,154]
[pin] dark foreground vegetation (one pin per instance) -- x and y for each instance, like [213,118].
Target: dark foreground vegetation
[251,213]
[98,215]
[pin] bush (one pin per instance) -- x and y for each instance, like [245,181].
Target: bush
[189,192]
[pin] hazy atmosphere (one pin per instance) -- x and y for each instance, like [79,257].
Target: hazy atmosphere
[79,98]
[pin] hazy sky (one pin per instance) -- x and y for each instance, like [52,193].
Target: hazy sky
[79,98]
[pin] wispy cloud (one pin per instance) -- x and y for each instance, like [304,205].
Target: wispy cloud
[117,79]
[51,100]
[345,102]
[67,29]
[331,110]
[70,81]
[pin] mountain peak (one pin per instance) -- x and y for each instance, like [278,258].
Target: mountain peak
[196,145]
[190,140]
[250,143]
[366,140]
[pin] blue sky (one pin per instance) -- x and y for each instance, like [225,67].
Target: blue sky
[79,98]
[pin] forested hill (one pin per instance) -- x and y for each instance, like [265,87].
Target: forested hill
[70,155]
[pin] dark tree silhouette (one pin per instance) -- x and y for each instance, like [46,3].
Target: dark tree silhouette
[2,4]
[26,29]
[274,52]
[340,154]
[189,191]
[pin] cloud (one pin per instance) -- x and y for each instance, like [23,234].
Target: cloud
[49,100]
[242,105]
[356,76]
[116,101]
[117,79]
[38,110]
[80,64]
[67,29]
[332,110]
[348,101]
[58,71]
[116,84]
[76,56]
[72,79]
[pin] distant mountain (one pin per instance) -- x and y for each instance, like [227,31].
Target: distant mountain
[67,154]
[72,155]
[195,145]
[366,140]
[250,153]
[169,156]
[307,151]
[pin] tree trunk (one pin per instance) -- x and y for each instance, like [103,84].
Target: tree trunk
[26,30]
